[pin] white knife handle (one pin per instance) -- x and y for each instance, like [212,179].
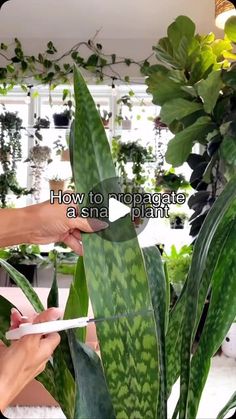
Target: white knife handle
[45,328]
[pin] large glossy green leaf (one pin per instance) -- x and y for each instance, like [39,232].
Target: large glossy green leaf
[116,278]
[92,396]
[181,145]
[209,228]
[182,27]
[163,88]
[178,109]
[24,285]
[159,296]
[230,405]
[209,90]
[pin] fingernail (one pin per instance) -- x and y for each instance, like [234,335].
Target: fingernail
[14,310]
[24,318]
[98,224]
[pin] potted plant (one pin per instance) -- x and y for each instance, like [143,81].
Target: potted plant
[62,149]
[42,122]
[25,258]
[57,183]
[177,220]
[105,116]
[62,119]
[167,181]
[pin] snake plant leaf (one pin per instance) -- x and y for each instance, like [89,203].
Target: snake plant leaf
[77,303]
[24,285]
[173,339]
[92,398]
[159,295]
[116,277]
[229,405]
[5,315]
[209,228]
[53,297]
[64,381]
[220,316]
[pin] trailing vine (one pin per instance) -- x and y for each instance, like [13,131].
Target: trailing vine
[51,68]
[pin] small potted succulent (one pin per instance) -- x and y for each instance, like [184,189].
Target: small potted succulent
[62,120]
[167,181]
[57,183]
[105,116]
[42,123]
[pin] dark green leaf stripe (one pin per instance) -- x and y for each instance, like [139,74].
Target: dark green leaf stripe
[53,297]
[92,397]
[64,383]
[158,290]
[198,266]
[222,312]
[24,285]
[230,405]
[116,278]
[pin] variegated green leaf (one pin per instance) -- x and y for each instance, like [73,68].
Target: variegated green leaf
[92,396]
[64,382]
[53,297]
[158,290]
[177,314]
[215,216]
[116,278]
[221,314]
[24,285]
[230,405]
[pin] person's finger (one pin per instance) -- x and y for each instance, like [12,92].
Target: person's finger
[74,244]
[48,315]
[86,225]
[15,319]
[48,345]
[77,234]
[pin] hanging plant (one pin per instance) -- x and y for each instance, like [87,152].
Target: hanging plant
[10,154]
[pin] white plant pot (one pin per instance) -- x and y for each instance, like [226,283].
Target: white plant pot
[229,344]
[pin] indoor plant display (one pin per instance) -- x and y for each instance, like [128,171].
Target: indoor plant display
[10,154]
[144,348]
[62,120]
[61,148]
[131,152]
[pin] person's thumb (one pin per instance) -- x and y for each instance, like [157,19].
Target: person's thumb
[88,225]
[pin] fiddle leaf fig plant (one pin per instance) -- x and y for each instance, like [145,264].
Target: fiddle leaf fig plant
[194,83]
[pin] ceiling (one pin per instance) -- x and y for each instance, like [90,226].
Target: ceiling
[126,27]
[79,19]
